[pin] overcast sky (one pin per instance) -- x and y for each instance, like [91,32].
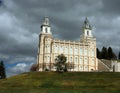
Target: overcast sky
[20,22]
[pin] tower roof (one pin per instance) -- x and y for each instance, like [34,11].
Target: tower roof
[46,22]
[86,24]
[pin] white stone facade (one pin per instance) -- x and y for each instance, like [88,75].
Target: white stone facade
[115,66]
[81,54]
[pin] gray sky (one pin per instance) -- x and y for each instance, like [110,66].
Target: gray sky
[20,26]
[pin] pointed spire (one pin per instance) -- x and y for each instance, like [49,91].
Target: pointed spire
[86,21]
[86,24]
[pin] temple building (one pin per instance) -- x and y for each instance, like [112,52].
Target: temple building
[82,54]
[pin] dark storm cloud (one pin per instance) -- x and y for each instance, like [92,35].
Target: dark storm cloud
[111,7]
[20,24]
[66,16]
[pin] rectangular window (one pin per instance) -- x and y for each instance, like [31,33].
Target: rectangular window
[45,49]
[93,53]
[85,61]
[85,68]
[81,61]
[81,51]
[76,60]
[71,59]
[66,50]
[48,49]
[61,49]
[71,50]
[88,33]
[85,52]
[48,58]
[45,59]
[93,62]
[76,51]
[81,68]
[56,48]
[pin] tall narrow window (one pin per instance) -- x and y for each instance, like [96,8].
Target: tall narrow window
[48,58]
[48,49]
[71,59]
[61,49]
[93,62]
[85,61]
[71,50]
[87,32]
[46,21]
[45,49]
[85,52]
[56,49]
[76,60]
[46,30]
[81,68]
[81,51]
[76,51]
[45,59]
[93,54]
[81,61]
[66,50]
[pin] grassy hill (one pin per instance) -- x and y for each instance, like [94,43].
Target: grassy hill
[53,82]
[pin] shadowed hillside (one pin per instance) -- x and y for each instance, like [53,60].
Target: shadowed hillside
[70,82]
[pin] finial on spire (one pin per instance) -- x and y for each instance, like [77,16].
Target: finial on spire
[86,20]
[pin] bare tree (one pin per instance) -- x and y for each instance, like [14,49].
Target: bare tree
[34,67]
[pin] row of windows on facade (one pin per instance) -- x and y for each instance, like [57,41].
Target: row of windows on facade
[77,67]
[76,51]
[75,59]
[63,48]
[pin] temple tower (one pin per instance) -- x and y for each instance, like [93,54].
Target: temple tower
[44,48]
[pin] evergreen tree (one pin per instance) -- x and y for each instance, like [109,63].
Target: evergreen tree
[111,54]
[98,54]
[119,56]
[2,70]
[104,53]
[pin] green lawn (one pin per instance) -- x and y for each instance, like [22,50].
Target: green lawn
[69,82]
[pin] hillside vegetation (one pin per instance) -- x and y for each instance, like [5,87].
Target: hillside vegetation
[69,82]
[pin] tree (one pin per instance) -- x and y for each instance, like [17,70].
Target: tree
[70,66]
[98,54]
[119,56]
[61,63]
[104,53]
[34,67]
[2,70]
[111,54]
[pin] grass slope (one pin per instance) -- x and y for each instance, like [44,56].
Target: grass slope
[70,82]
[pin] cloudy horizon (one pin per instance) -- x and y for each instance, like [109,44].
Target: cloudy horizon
[20,22]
